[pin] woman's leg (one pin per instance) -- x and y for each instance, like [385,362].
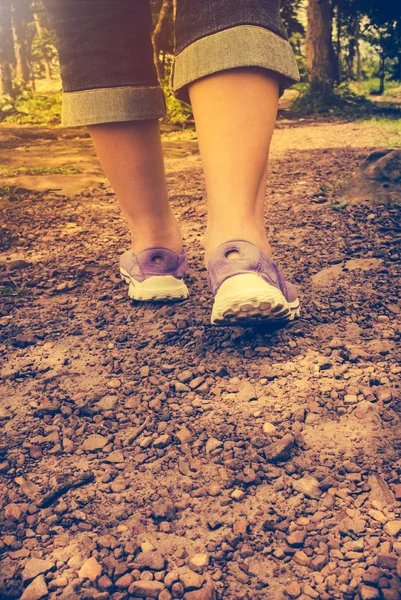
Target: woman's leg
[233,58]
[110,85]
[235,113]
[131,157]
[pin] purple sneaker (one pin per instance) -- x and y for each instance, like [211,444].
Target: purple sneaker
[155,274]
[248,287]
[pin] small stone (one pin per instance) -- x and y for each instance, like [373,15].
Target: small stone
[204,593]
[392,528]
[350,399]
[104,583]
[213,444]
[293,590]
[115,457]
[309,486]
[94,442]
[380,491]
[199,562]
[124,581]
[164,509]
[4,414]
[184,436]
[185,376]
[387,561]
[150,560]
[191,580]
[377,515]
[296,538]
[17,265]
[397,491]
[36,589]
[301,558]
[269,428]
[68,445]
[367,592]
[113,384]
[106,403]
[162,441]
[35,567]
[146,589]
[247,393]
[14,512]
[91,569]
[237,495]
[280,450]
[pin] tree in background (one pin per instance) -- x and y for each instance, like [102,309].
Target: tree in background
[7,56]
[319,46]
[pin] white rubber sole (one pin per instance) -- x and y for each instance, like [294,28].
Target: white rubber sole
[157,288]
[248,298]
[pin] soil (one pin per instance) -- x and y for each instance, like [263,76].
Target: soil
[145,453]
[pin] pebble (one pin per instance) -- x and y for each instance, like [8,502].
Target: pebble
[162,441]
[184,435]
[191,580]
[309,486]
[36,589]
[212,444]
[91,569]
[94,442]
[150,560]
[367,592]
[14,512]
[296,538]
[247,393]
[199,562]
[106,403]
[269,428]
[293,590]
[35,567]
[146,589]
[392,528]
[280,450]
[116,456]
[301,558]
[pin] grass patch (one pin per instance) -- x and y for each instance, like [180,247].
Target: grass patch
[16,171]
[8,193]
[387,131]
[324,100]
[31,108]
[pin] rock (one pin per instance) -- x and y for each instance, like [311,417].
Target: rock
[184,436]
[269,428]
[191,580]
[377,515]
[399,567]
[205,593]
[36,589]
[91,569]
[350,398]
[296,538]
[124,581]
[237,495]
[280,450]
[367,592]
[15,512]
[185,376]
[115,457]
[5,414]
[309,486]
[377,180]
[213,444]
[150,560]
[392,528]
[380,491]
[162,441]
[387,561]
[146,589]
[68,445]
[94,442]
[35,567]
[293,590]
[17,265]
[247,393]
[106,403]
[199,562]
[301,558]
[114,384]
[397,491]
[164,509]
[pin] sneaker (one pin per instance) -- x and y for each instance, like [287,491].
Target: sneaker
[249,287]
[155,274]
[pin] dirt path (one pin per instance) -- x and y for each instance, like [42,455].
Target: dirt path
[144,453]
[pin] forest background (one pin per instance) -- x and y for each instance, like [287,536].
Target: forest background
[348,52]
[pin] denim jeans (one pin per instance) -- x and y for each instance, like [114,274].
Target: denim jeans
[106,54]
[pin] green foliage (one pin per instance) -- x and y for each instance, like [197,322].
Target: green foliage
[7,193]
[31,108]
[321,98]
[177,112]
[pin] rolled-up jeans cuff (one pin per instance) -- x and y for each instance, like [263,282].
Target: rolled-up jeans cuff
[239,46]
[114,104]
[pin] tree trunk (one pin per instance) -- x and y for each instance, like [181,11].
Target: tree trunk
[319,47]
[22,69]
[338,46]
[382,73]
[358,56]
[165,11]
[6,48]
[39,31]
